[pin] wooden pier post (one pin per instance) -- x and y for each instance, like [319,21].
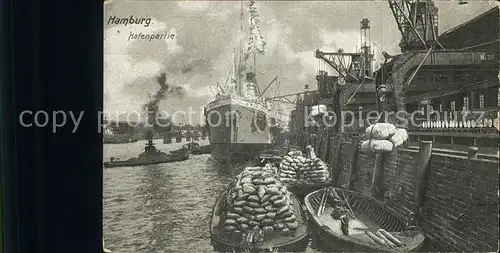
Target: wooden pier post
[423,169]
[378,188]
[309,140]
[299,139]
[328,145]
[338,102]
[354,165]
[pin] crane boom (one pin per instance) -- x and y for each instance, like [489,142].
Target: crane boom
[417,22]
[338,62]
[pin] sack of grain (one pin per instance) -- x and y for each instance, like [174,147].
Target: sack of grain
[380,131]
[377,146]
[257,200]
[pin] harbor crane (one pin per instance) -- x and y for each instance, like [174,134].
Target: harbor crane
[417,22]
[352,68]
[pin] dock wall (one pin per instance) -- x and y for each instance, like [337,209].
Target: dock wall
[459,206]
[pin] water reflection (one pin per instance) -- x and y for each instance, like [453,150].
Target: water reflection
[155,191]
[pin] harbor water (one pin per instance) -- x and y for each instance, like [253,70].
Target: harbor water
[161,208]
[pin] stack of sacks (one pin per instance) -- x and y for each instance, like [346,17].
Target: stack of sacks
[258,201]
[314,171]
[383,137]
[295,169]
[289,166]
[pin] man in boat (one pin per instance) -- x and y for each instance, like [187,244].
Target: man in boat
[340,213]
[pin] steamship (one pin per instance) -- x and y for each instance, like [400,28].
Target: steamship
[238,117]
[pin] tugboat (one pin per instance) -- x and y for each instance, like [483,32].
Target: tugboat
[151,155]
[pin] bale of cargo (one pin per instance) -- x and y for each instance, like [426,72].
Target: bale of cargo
[383,137]
[399,137]
[377,146]
[380,131]
[258,201]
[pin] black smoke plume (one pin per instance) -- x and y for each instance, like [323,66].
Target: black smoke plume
[156,118]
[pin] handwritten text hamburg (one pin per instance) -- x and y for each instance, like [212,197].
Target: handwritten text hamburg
[113,20]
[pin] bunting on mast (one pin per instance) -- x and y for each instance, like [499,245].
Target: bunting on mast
[256,42]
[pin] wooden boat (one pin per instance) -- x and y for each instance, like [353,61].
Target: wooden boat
[193,148]
[297,242]
[365,214]
[302,190]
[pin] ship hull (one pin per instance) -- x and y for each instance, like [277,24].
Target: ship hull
[238,129]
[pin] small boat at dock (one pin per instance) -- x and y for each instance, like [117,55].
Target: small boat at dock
[297,242]
[194,148]
[349,221]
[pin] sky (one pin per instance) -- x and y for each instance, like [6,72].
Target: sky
[205,32]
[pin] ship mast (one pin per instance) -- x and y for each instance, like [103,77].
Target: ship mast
[238,74]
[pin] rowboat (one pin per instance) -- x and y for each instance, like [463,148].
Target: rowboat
[301,190]
[222,242]
[365,224]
